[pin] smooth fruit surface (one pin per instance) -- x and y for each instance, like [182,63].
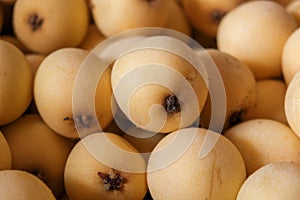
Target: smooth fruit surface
[263,141]
[255,33]
[44,155]
[217,176]
[45,26]
[21,185]
[5,159]
[87,177]
[16,80]
[274,181]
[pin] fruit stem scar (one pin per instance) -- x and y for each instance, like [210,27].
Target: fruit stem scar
[112,180]
[35,22]
[171,104]
[217,16]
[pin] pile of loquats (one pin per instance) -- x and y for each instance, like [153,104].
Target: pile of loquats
[255,46]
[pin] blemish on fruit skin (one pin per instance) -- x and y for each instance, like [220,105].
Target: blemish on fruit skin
[112,180]
[171,104]
[236,117]
[217,16]
[35,22]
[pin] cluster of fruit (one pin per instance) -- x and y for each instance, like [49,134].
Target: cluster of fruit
[166,104]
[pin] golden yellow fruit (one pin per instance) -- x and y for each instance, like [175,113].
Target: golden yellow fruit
[270,95]
[5,159]
[87,177]
[115,16]
[21,185]
[274,181]
[15,82]
[205,15]
[174,104]
[255,33]
[45,26]
[38,150]
[292,103]
[290,58]
[239,83]
[53,92]
[263,141]
[217,176]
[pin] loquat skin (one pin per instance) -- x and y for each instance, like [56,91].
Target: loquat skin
[276,181]
[18,184]
[86,176]
[270,95]
[45,26]
[205,15]
[264,141]
[217,176]
[46,153]
[53,92]
[16,81]
[292,104]
[290,59]
[145,96]
[5,159]
[239,84]
[255,33]
[114,16]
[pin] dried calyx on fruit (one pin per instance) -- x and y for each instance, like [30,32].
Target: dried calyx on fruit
[171,104]
[112,181]
[35,22]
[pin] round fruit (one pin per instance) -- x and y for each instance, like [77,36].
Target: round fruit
[205,15]
[44,156]
[115,16]
[292,103]
[255,33]
[53,90]
[21,185]
[290,58]
[87,177]
[15,82]
[239,83]
[45,26]
[270,95]
[217,176]
[263,141]
[173,104]
[5,159]
[274,181]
